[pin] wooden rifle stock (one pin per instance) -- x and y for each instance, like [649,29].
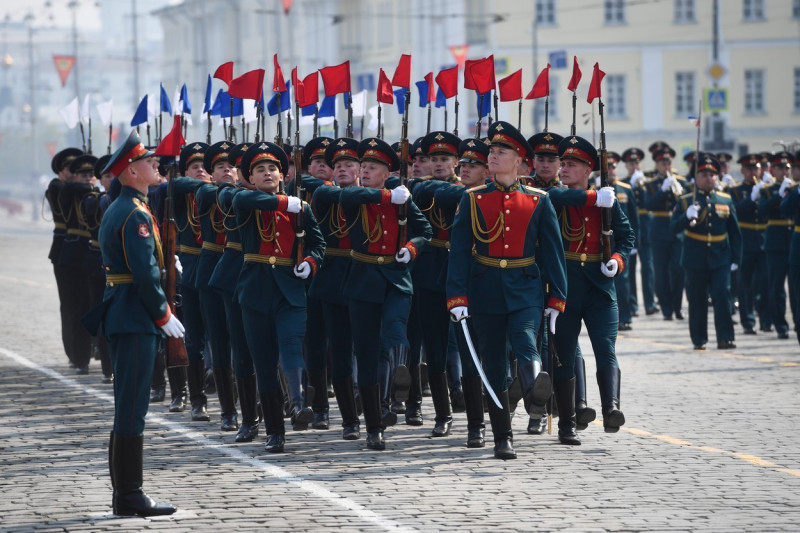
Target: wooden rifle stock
[175,348]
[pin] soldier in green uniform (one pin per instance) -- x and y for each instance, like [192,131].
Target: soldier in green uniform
[790,207]
[712,249]
[133,316]
[777,238]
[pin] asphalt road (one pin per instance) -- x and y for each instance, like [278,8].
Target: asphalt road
[711,443]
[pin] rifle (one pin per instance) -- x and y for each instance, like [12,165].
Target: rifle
[605,212]
[402,209]
[175,347]
[299,191]
[693,221]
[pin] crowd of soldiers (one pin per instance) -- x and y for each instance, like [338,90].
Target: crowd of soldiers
[465,272]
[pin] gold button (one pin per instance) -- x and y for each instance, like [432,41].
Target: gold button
[272,260]
[588,234]
[508,229]
[110,283]
[479,197]
[507,197]
[277,233]
[383,246]
[385,232]
[503,263]
[586,219]
[447,244]
[380,260]
[508,211]
[506,246]
[583,257]
[383,216]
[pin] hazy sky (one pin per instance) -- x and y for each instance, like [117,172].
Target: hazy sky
[88,15]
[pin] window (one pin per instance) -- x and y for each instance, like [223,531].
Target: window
[546,12]
[685,98]
[684,11]
[754,91]
[477,21]
[753,10]
[796,9]
[797,89]
[614,11]
[615,101]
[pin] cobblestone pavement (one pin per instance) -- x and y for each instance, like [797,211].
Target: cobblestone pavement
[711,443]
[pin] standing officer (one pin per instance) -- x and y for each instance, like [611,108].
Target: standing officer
[752,228]
[133,315]
[378,284]
[777,239]
[506,223]
[711,251]
[790,207]
[661,195]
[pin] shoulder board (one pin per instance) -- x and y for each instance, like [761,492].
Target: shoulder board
[623,184]
[477,188]
[534,189]
[723,194]
[687,196]
[139,204]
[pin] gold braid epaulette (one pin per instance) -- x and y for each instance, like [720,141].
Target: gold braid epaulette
[477,231]
[373,234]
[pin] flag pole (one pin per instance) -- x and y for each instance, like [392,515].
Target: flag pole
[455,130]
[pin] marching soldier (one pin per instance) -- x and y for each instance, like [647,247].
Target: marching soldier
[712,250]
[378,284]
[777,238]
[752,228]
[591,297]
[271,287]
[726,181]
[133,316]
[790,207]
[661,195]
[505,222]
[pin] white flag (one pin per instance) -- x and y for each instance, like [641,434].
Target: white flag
[249,109]
[153,103]
[71,113]
[87,102]
[104,111]
[177,105]
[359,102]
[373,118]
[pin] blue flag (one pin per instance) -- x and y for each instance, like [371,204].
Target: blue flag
[166,107]
[400,99]
[207,100]
[422,87]
[187,106]
[487,103]
[140,117]
[328,107]
[308,110]
[280,102]
[441,101]
[346,98]
[216,109]
[222,105]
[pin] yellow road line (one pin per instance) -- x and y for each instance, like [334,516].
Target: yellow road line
[27,282]
[729,355]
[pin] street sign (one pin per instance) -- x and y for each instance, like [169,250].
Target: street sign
[715,99]
[557,59]
[501,65]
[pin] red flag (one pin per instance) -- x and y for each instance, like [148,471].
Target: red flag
[511,87]
[64,66]
[576,75]
[431,88]
[287,5]
[278,85]
[542,85]
[385,94]
[336,78]
[460,55]
[594,86]
[479,74]
[402,74]
[248,85]
[448,81]
[306,91]
[224,72]
[172,143]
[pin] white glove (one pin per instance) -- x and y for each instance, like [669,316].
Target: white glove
[634,251]
[553,314]
[605,197]
[667,183]
[459,312]
[303,270]
[734,267]
[756,191]
[785,184]
[692,211]
[637,176]
[400,194]
[597,181]
[403,256]
[609,269]
[178,266]
[294,205]
[173,328]
[727,179]
[767,178]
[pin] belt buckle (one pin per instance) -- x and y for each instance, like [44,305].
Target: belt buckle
[272,260]
[380,260]
[583,257]
[503,263]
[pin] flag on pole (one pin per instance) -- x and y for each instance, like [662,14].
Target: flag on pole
[511,87]
[448,81]
[171,144]
[249,85]
[402,74]
[186,106]
[140,116]
[336,78]
[542,85]
[278,85]
[70,113]
[224,72]
[166,106]
[384,95]
[85,107]
[207,99]
[576,75]
[594,86]
[400,98]
[104,112]
[359,101]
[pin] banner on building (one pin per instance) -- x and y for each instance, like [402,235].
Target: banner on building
[64,66]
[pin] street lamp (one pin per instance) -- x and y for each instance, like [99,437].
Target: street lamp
[73,5]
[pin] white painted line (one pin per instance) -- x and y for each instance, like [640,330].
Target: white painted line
[268,468]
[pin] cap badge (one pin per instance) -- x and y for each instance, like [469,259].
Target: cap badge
[574,140]
[439,137]
[373,143]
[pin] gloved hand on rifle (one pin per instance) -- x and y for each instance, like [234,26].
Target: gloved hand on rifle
[178,266]
[553,313]
[459,312]
[785,184]
[173,328]
[400,195]
[636,177]
[692,211]
[303,270]
[403,256]
[605,197]
[756,191]
[734,267]
[293,204]
[609,269]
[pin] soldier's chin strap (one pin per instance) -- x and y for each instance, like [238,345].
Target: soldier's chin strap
[484,379]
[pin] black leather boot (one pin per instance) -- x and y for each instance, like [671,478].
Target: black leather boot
[501,428]
[177,388]
[538,425]
[584,414]
[111,473]
[272,406]
[565,396]
[196,377]
[248,431]
[319,381]
[423,377]
[414,402]
[370,397]
[401,377]
[608,378]
[388,417]
[536,387]
[351,428]
[473,401]
[227,405]
[515,388]
[440,393]
[302,415]
[129,498]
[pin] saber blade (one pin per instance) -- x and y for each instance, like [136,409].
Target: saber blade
[478,364]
